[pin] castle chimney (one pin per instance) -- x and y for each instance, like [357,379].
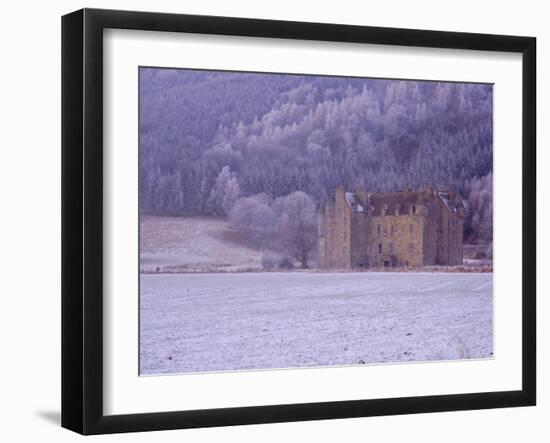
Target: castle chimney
[362,196]
[339,196]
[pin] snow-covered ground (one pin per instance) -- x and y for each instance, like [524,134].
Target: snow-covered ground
[225,322]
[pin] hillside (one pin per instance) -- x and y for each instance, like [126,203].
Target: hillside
[208,138]
[191,244]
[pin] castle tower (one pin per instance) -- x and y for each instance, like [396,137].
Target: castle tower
[334,232]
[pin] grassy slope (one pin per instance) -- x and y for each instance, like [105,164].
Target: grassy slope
[179,244]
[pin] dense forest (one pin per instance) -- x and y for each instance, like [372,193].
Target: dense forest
[209,139]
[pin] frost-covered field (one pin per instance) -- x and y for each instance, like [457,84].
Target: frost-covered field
[225,322]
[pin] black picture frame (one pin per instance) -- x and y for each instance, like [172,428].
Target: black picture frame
[82,216]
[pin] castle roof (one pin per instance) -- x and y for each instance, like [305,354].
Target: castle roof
[400,202]
[354,202]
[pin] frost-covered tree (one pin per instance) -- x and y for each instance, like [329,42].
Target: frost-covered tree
[254,219]
[478,196]
[286,225]
[224,193]
[297,224]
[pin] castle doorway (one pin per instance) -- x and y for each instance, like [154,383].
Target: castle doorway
[390,261]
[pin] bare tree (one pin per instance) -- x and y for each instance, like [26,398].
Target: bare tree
[296,225]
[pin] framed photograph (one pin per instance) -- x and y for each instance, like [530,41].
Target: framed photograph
[269,221]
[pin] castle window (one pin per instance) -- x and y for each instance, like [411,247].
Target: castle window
[411,248]
[413,209]
[391,230]
[397,209]
[379,248]
[378,229]
[391,248]
[385,232]
[411,229]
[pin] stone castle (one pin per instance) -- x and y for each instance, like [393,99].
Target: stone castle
[386,229]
